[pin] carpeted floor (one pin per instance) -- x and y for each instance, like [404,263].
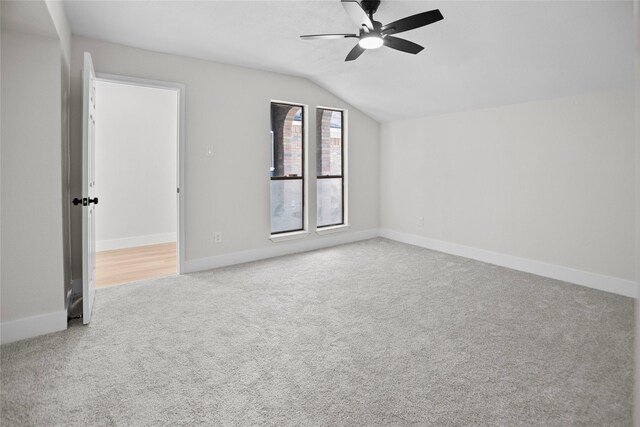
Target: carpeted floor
[369,333]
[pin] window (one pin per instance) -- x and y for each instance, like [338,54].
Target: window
[330,166]
[287,168]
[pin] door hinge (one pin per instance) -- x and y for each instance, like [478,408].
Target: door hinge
[178,190]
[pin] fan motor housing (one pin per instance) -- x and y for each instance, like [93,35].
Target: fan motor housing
[370,6]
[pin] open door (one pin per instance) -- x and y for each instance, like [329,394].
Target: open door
[88,188]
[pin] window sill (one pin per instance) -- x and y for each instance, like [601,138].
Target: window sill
[334,229]
[288,236]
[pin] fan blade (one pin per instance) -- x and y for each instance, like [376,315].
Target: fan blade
[355,53]
[412,22]
[402,45]
[327,36]
[357,13]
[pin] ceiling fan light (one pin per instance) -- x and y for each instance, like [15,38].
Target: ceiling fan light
[373,41]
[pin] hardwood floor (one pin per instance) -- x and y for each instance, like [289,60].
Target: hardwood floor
[121,266]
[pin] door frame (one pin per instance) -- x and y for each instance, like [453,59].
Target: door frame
[180,188]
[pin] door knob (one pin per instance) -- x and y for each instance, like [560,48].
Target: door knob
[84,201]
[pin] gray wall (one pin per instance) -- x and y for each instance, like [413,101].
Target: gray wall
[32,262]
[550,181]
[227,109]
[34,79]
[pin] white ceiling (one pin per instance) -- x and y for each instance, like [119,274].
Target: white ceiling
[483,53]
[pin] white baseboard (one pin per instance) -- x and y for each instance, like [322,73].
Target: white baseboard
[279,249]
[628,288]
[130,242]
[28,327]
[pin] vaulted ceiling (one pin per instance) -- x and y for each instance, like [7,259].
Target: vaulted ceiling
[483,53]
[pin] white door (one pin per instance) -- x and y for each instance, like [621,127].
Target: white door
[88,188]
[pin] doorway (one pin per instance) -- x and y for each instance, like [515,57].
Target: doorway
[139,141]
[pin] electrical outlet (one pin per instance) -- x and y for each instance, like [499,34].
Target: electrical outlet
[217,237]
[421,222]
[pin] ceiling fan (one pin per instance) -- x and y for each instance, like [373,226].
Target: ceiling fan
[372,34]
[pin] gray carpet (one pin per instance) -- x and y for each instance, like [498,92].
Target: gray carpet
[370,333]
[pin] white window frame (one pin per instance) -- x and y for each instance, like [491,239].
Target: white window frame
[345,175]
